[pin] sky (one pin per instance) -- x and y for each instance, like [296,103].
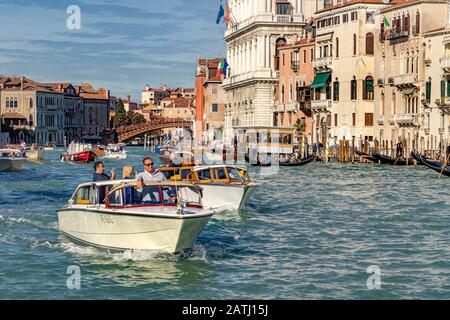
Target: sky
[121,45]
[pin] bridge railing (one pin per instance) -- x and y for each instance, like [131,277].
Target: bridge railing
[153,122]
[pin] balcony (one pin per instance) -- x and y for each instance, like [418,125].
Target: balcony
[397,36]
[445,63]
[426,131]
[380,82]
[322,63]
[321,105]
[405,81]
[406,119]
[291,106]
[443,103]
[380,120]
[441,130]
[391,81]
[305,107]
[295,65]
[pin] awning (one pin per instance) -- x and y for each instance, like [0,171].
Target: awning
[409,91]
[13,115]
[321,80]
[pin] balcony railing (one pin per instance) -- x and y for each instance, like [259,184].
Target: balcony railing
[324,62]
[380,120]
[284,18]
[380,82]
[397,35]
[295,65]
[405,79]
[321,105]
[391,80]
[406,119]
[441,130]
[443,103]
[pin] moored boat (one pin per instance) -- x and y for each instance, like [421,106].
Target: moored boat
[163,216]
[366,156]
[439,167]
[388,160]
[11,160]
[267,162]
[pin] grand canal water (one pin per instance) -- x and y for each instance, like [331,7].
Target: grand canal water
[308,233]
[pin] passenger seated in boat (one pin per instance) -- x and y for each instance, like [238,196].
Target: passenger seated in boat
[128,172]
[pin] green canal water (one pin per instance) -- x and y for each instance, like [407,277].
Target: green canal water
[308,233]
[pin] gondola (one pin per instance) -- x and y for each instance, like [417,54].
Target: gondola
[302,162]
[388,160]
[436,166]
[366,156]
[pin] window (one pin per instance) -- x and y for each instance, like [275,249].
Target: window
[353,119]
[15,102]
[214,107]
[304,56]
[345,18]
[31,103]
[354,15]
[7,102]
[336,90]
[368,88]
[442,88]
[335,120]
[369,43]
[85,195]
[214,90]
[353,89]
[337,48]
[354,44]
[368,119]
[283,8]
[382,103]
[328,91]
[428,91]
[312,55]
[417,22]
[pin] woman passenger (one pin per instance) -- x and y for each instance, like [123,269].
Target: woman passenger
[128,172]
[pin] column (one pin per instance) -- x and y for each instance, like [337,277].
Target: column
[254,54]
[259,52]
[267,51]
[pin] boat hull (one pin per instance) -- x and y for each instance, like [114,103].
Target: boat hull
[436,166]
[11,164]
[387,160]
[35,154]
[118,155]
[119,231]
[80,157]
[222,196]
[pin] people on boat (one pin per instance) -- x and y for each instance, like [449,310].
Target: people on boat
[100,175]
[447,152]
[399,150]
[149,173]
[128,172]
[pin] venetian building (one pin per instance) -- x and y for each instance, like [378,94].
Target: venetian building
[435,129]
[343,87]
[403,101]
[259,29]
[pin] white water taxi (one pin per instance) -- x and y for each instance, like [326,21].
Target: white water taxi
[223,186]
[116,215]
[115,151]
[11,160]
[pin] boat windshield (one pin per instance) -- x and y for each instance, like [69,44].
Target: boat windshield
[154,195]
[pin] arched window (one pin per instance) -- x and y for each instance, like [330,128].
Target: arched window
[31,102]
[354,44]
[337,47]
[368,88]
[278,44]
[382,104]
[30,120]
[7,102]
[417,22]
[353,89]
[15,102]
[394,103]
[428,90]
[336,90]
[369,43]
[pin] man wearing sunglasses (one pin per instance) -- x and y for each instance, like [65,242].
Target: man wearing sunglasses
[149,174]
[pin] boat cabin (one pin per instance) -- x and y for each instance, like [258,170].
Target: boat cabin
[207,174]
[125,194]
[10,153]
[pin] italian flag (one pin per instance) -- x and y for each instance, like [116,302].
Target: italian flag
[222,68]
[387,26]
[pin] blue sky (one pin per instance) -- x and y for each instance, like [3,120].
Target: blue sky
[122,45]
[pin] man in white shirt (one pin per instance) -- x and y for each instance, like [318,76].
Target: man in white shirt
[149,174]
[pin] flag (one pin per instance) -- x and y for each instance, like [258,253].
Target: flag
[227,16]
[220,14]
[387,26]
[222,68]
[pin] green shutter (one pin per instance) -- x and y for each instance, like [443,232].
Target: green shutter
[369,85]
[442,88]
[448,88]
[428,91]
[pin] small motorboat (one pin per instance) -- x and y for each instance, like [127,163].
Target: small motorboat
[115,151]
[50,147]
[79,153]
[439,167]
[11,160]
[388,160]
[117,215]
[99,151]
[223,186]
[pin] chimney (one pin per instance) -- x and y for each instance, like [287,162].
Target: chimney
[147,88]
[21,83]
[129,98]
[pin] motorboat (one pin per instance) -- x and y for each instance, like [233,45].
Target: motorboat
[50,147]
[100,151]
[11,160]
[117,215]
[34,152]
[223,186]
[115,151]
[79,153]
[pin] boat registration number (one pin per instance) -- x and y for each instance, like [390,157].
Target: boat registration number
[106,219]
